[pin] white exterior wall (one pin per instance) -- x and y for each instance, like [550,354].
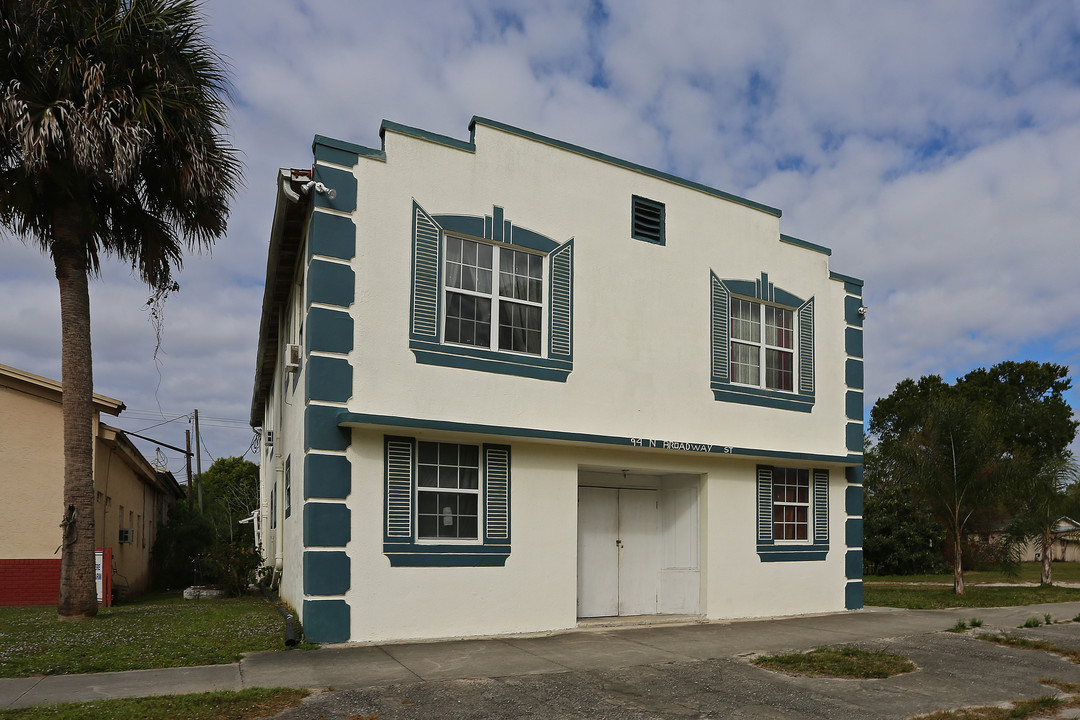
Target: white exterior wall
[642,353]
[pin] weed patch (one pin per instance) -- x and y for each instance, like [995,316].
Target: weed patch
[841,662]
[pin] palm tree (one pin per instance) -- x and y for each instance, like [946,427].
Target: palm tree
[112,120]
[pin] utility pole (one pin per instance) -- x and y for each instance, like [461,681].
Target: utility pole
[190,488]
[198,457]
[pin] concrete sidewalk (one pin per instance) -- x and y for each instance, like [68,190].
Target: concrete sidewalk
[613,650]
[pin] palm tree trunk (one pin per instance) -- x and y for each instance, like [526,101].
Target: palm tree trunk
[958,567]
[1047,547]
[78,591]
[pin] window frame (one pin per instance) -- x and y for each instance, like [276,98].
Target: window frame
[494,295]
[477,492]
[722,296]
[401,542]
[761,345]
[427,339]
[816,546]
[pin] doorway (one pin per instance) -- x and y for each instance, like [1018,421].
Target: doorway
[618,551]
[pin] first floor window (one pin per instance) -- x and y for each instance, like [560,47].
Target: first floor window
[447,491]
[791,504]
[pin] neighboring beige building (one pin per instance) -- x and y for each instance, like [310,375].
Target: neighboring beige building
[131,496]
[1066,545]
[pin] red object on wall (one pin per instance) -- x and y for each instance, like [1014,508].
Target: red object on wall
[37,581]
[29,582]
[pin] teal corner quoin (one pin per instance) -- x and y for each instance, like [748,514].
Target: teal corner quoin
[853,564]
[326,621]
[326,573]
[327,524]
[331,236]
[853,500]
[329,379]
[853,596]
[327,477]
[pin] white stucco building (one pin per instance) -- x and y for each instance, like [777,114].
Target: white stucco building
[509,383]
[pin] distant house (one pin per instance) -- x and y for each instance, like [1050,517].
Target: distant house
[131,496]
[508,383]
[1065,546]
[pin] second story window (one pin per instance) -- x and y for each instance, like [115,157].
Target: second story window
[762,345]
[488,284]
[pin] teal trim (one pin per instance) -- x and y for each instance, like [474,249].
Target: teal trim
[853,562]
[854,404]
[853,342]
[330,283]
[855,437]
[618,163]
[329,379]
[327,476]
[764,506]
[331,236]
[820,486]
[323,148]
[326,573]
[426,277]
[427,559]
[792,553]
[851,310]
[341,181]
[321,431]
[327,524]
[399,543]
[853,532]
[853,289]
[326,621]
[848,280]
[468,358]
[720,330]
[523,237]
[463,225]
[496,494]
[853,499]
[329,331]
[807,371]
[855,473]
[497,221]
[804,244]
[853,374]
[561,304]
[350,419]
[853,596]
[423,135]
[763,398]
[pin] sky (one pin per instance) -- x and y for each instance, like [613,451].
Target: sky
[934,147]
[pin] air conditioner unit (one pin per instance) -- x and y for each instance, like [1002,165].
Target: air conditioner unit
[127,535]
[269,438]
[292,358]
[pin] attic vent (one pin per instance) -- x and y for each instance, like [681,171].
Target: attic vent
[647,222]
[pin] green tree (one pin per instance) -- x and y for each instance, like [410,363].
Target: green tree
[1046,493]
[112,119]
[232,485]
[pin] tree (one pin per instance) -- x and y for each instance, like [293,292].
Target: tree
[233,488]
[112,114]
[1046,494]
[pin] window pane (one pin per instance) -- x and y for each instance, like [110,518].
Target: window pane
[428,452]
[519,327]
[453,249]
[778,327]
[469,455]
[483,281]
[448,477]
[745,320]
[427,476]
[779,372]
[468,252]
[744,364]
[448,454]
[483,256]
[469,478]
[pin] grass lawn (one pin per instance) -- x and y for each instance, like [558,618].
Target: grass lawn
[1030,572]
[924,597]
[838,662]
[154,631]
[243,705]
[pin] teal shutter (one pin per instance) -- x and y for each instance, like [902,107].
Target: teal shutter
[496,493]
[764,505]
[721,331]
[425,280]
[821,506]
[561,305]
[806,347]
[400,452]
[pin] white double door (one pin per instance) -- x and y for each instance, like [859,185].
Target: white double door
[619,551]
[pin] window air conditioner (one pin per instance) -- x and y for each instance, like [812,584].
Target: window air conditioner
[127,535]
[269,438]
[292,358]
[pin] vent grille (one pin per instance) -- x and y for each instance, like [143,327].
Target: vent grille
[648,220]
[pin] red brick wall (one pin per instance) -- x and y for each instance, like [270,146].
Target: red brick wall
[29,582]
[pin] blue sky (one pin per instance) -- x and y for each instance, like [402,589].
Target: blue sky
[933,146]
